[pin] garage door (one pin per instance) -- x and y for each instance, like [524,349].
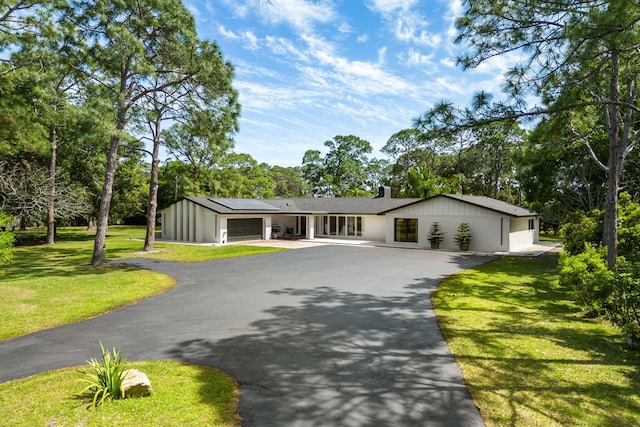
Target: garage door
[244,229]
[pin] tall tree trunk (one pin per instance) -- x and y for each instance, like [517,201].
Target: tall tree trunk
[614,164]
[53,140]
[149,239]
[107,192]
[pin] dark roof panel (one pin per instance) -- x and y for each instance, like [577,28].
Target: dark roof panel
[243,204]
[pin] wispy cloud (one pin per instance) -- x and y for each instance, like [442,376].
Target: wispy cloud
[406,23]
[414,57]
[367,78]
[390,6]
[298,14]
[305,73]
[411,29]
[247,37]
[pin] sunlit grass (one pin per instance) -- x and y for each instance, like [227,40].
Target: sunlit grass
[49,286]
[183,395]
[528,356]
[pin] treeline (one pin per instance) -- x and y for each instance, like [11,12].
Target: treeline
[92,91]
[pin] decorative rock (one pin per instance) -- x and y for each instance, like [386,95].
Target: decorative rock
[136,384]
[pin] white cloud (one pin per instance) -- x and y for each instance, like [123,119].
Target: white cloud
[414,58]
[249,39]
[454,11]
[390,6]
[344,28]
[363,38]
[411,30]
[238,9]
[228,33]
[298,14]
[448,62]
[382,52]
[359,76]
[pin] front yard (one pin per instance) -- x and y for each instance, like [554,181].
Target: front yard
[528,355]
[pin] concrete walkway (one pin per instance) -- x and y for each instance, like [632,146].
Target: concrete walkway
[322,336]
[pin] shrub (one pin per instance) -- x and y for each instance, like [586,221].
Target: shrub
[587,274]
[629,228]
[580,229]
[463,234]
[105,381]
[6,240]
[623,304]
[435,235]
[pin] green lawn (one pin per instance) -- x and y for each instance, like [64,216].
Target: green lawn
[49,286]
[529,357]
[183,395]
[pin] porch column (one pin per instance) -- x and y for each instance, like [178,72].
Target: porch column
[311,223]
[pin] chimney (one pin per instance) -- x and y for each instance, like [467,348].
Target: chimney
[384,192]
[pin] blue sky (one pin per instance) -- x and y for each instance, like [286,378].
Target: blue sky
[307,72]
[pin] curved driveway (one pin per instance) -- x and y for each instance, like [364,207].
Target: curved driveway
[322,336]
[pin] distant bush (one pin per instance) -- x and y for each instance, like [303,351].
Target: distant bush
[623,303]
[583,267]
[629,228]
[6,240]
[581,229]
[587,275]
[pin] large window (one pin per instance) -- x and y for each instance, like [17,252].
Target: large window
[406,230]
[337,225]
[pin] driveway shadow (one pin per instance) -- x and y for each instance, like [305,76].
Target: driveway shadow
[343,359]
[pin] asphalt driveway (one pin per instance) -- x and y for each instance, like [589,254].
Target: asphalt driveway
[322,336]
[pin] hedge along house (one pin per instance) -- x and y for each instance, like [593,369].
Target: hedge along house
[496,226]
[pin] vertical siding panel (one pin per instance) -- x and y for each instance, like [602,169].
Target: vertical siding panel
[185,220]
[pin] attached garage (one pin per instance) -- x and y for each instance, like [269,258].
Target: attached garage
[241,229]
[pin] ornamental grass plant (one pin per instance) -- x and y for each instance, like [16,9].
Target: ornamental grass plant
[106,377]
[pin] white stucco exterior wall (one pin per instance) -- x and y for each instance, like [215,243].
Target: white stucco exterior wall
[521,236]
[490,230]
[374,228]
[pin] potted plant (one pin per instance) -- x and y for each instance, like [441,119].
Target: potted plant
[275,230]
[435,235]
[463,236]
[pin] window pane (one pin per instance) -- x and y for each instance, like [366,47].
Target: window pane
[342,230]
[406,230]
[332,225]
[351,226]
[412,230]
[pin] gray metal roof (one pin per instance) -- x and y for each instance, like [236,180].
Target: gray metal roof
[493,204]
[484,202]
[339,205]
[321,205]
[344,205]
